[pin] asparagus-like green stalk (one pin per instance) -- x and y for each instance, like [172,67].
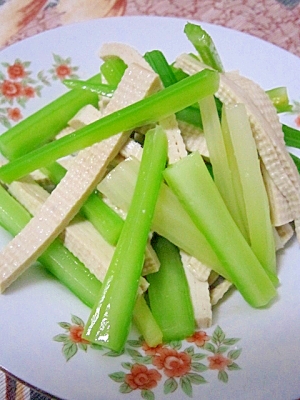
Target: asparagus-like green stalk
[291,136]
[61,263]
[159,64]
[204,204]
[113,69]
[222,170]
[57,259]
[280,99]
[144,320]
[152,108]
[204,45]
[258,220]
[43,125]
[169,295]
[170,219]
[99,88]
[107,222]
[110,319]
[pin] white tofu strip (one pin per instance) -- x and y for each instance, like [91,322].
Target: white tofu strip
[86,171]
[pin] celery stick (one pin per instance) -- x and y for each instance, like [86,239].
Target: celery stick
[252,186]
[57,259]
[145,322]
[296,161]
[159,64]
[152,108]
[170,219]
[280,99]
[99,88]
[110,319]
[204,204]
[205,46]
[107,222]
[61,263]
[223,175]
[291,136]
[43,125]
[169,295]
[113,69]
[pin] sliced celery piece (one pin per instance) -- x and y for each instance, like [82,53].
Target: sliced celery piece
[99,88]
[57,259]
[146,323]
[169,295]
[113,69]
[152,108]
[222,170]
[110,319]
[291,136]
[159,64]
[170,219]
[280,99]
[254,194]
[204,45]
[107,222]
[61,263]
[43,125]
[204,204]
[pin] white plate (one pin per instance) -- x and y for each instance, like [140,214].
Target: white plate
[268,350]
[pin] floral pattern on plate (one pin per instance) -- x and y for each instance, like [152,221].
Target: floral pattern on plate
[175,365]
[18,85]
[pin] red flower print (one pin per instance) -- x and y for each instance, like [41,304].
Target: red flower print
[16,71]
[173,363]
[76,334]
[297,121]
[28,91]
[62,71]
[141,377]
[219,362]
[14,114]
[151,351]
[199,338]
[11,89]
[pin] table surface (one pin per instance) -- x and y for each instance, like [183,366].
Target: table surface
[276,21]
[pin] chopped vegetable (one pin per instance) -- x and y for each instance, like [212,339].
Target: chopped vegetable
[169,296]
[152,108]
[43,125]
[110,319]
[204,204]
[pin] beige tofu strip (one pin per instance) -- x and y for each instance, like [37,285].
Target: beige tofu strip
[86,171]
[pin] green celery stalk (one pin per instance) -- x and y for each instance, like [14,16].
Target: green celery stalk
[107,222]
[280,99]
[170,219]
[43,125]
[291,136]
[99,88]
[113,69]
[110,319]
[253,190]
[204,204]
[152,108]
[222,170]
[57,259]
[169,295]
[159,64]
[204,45]
[144,320]
[61,263]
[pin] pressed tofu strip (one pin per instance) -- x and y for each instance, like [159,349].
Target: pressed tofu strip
[200,297]
[218,292]
[266,129]
[67,198]
[198,269]
[176,145]
[194,138]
